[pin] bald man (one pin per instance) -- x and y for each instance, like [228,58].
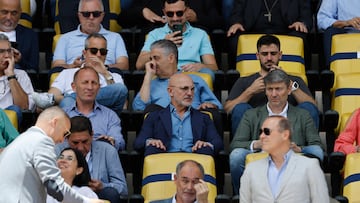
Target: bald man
[179,127]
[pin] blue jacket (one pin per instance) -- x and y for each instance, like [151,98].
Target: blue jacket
[158,125]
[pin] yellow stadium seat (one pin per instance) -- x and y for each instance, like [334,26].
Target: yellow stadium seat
[352,177]
[158,174]
[205,77]
[292,59]
[255,156]
[115,9]
[12,117]
[345,54]
[25,18]
[346,97]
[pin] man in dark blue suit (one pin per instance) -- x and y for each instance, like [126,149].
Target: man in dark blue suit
[179,127]
[24,40]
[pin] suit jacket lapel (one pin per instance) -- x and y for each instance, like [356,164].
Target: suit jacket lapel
[289,172]
[165,117]
[195,121]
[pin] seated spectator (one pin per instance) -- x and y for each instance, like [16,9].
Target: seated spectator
[348,140]
[148,15]
[179,127]
[24,40]
[335,17]
[113,92]
[249,92]
[105,122]
[195,50]
[284,176]
[68,48]
[75,172]
[8,132]
[162,65]
[270,16]
[15,84]
[107,175]
[190,184]
[305,137]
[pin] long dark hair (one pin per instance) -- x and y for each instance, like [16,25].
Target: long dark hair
[84,177]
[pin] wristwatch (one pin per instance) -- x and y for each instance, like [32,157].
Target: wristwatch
[295,86]
[110,77]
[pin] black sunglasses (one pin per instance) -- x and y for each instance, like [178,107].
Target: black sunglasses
[266,131]
[95,14]
[94,51]
[171,14]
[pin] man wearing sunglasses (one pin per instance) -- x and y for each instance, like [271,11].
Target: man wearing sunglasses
[305,137]
[68,48]
[284,176]
[195,50]
[113,92]
[248,92]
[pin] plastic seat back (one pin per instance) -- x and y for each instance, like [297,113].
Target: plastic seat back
[158,171]
[345,54]
[25,18]
[292,59]
[13,118]
[346,97]
[352,177]
[255,156]
[205,77]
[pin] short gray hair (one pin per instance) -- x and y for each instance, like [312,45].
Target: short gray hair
[168,46]
[82,1]
[277,76]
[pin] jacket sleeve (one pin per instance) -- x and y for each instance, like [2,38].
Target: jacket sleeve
[345,141]
[244,135]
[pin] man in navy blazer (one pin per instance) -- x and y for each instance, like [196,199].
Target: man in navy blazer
[24,40]
[179,127]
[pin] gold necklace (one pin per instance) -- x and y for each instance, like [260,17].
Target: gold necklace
[268,14]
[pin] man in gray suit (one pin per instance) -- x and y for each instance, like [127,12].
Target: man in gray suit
[284,176]
[107,175]
[305,138]
[190,184]
[28,165]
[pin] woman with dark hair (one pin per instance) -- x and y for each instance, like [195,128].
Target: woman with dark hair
[75,171]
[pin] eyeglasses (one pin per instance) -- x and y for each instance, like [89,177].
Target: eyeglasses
[171,14]
[12,13]
[272,53]
[62,157]
[266,131]
[94,51]
[95,14]
[186,88]
[3,51]
[67,133]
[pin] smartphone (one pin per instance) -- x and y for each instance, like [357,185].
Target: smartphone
[178,27]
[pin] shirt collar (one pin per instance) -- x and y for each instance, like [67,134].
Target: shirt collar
[286,157]
[283,113]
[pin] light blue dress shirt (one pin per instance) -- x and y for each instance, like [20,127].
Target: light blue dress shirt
[104,121]
[275,175]
[182,138]
[160,96]
[71,44]
[333,10]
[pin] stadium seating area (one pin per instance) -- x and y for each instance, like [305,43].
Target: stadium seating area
[337,94]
